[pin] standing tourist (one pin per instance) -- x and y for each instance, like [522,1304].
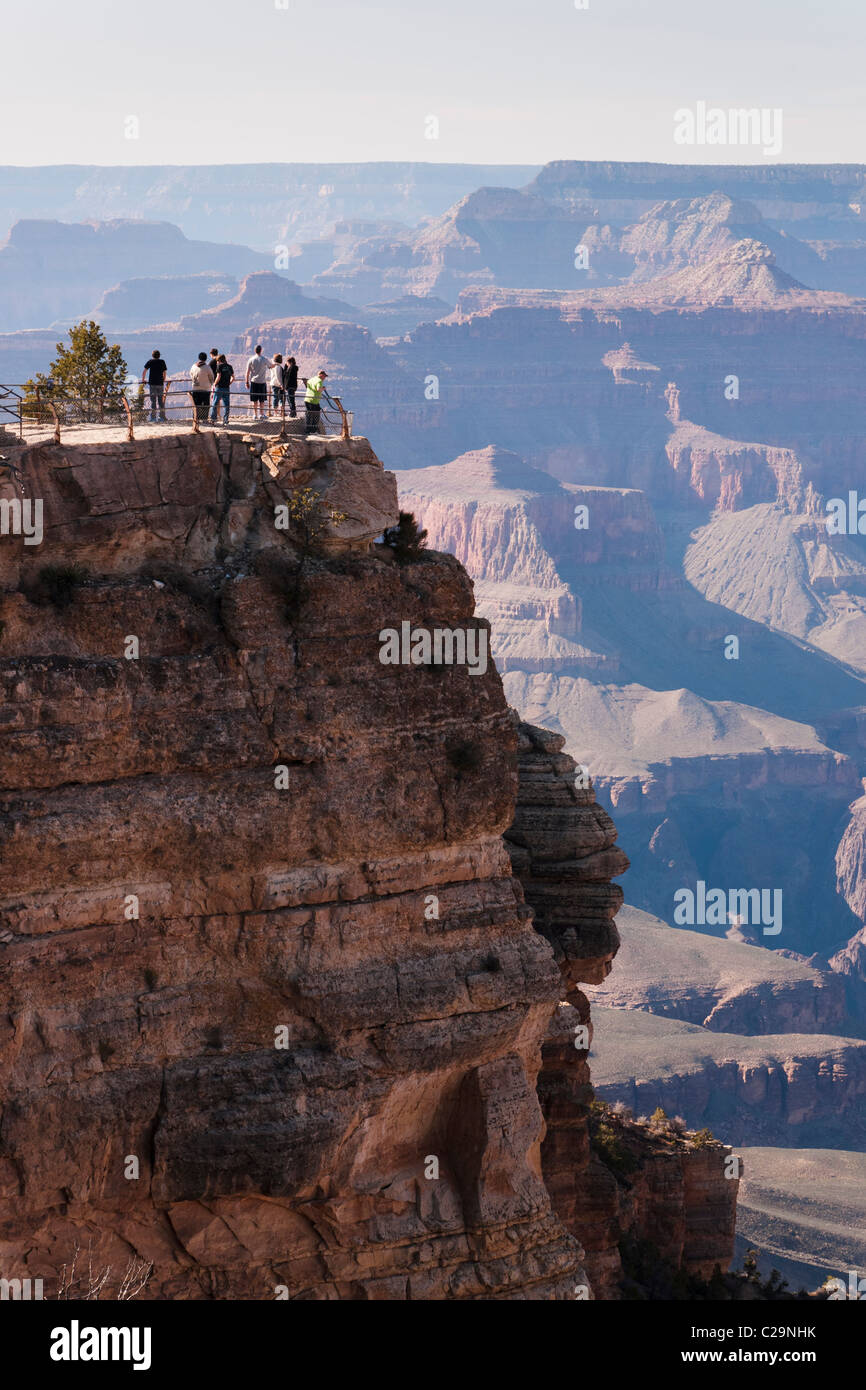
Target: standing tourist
[313,401]
[223,379]
[258,368]
[201,378]
[290,384]
[155,373]
[275,379]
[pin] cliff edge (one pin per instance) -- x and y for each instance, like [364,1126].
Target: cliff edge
[274,1005]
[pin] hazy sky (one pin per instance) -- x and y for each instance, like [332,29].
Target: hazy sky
[508,80]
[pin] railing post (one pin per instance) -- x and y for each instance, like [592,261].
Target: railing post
[50,405]
[344,417]
[282,433]
[129,433]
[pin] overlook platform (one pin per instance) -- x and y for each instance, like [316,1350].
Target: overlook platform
[191,498]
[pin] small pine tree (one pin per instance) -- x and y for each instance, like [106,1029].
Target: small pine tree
[406,539]
[89,374]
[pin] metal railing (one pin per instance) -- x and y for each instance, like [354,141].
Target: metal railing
[11,398]
[24,407]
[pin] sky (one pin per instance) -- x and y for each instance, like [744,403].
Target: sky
[507,81]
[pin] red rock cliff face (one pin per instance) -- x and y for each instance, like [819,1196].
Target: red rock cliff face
[614,1180]
[262,1036]
[274,1004]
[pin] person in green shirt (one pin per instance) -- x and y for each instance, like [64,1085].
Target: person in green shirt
[313,400]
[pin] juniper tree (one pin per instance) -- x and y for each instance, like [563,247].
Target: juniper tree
[90,371]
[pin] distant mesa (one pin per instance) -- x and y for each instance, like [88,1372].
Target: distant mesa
[265,294]
[157,299]
[478,473]
[50,270]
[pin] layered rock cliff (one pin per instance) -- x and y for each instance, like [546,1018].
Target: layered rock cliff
[613,1182]
[265,942]
[274,1006]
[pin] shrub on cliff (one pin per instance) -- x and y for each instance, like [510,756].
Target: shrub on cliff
[606,1139]
[56,585]
[406,539]
[465,757]
[648,1275]
[658,1121]
[308,517]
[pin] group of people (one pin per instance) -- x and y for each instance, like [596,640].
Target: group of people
[271,382]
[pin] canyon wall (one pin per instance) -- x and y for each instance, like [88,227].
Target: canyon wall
[273,1003]
[614,1180]
[276,992]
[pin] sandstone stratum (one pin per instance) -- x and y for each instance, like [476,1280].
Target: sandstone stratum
[291,940]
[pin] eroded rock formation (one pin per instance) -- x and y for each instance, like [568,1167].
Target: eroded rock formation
[265,967]
[274,1003]
[611,1181]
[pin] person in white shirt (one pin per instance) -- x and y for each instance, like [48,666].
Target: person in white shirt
[275,381]
[201,379]
[258,368]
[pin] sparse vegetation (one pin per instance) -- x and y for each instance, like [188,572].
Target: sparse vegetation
[56,585]
[465,757]
[88,1285]
[649,1276]
[406,539]
[607,1140]
[310,517]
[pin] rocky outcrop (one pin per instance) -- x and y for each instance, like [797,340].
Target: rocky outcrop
[851,860]
[262,294]
[277,995]
[851,885]
[642,1186]
[563,849]
[615,1182]
[273,1003]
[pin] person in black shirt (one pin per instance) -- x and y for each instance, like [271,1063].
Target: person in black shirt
[290,385]
[223,377]
[155,373]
